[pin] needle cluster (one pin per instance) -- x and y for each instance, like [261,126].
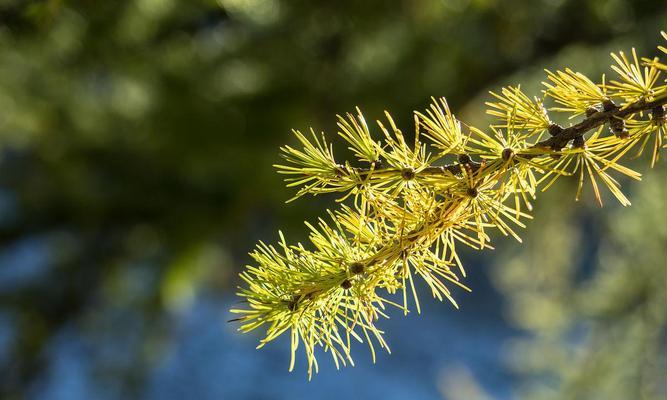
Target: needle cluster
[406,205]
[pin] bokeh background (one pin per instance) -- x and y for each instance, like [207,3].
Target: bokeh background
[136,144]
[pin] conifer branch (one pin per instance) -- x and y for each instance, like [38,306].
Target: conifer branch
[403,215]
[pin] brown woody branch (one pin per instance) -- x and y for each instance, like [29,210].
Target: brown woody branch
[609,113]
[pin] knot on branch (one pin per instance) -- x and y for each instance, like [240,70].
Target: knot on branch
[658,115]
[507,154]
[356,268]
[464,159]
[408,174]
[554,129]
[557,142]
[292,304]
[609,105]
[617,126]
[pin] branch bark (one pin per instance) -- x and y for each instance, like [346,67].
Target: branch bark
[559,139]
[610,112]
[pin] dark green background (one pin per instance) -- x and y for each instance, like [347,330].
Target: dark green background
[137,138]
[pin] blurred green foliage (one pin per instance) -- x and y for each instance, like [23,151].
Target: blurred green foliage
[589,292]
[137,136]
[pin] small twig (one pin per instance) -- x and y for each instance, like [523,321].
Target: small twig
[560,137]
[611,112]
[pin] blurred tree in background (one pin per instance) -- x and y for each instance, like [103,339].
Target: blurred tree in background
[589,291]
[136,140]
